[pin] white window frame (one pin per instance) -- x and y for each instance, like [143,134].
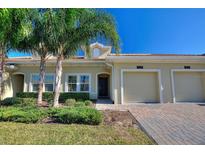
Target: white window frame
[78,82]
[31,84]
[50,83]
[72,83]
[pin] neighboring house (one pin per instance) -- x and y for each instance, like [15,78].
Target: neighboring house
[123,78]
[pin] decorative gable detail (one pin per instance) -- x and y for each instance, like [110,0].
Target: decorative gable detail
[99,51]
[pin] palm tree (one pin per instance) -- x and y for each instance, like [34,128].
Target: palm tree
[38,43]
[74,28]
[13,27]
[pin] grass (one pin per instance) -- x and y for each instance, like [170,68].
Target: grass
[50,134]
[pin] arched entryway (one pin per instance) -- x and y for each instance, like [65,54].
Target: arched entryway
[17,83]
[103,85]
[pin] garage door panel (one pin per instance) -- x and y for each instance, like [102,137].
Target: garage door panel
[140,87]
[189,87]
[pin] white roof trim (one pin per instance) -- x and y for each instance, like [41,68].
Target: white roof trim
[22,57]
[159,59]
[99,45]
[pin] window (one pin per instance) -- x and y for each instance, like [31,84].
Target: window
[35,80]
[72,83]
[35,87]
[49,82]
[96,52]
[84,83]
[78,83]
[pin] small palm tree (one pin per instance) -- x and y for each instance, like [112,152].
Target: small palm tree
[13,27]
[38,42]
[74,28]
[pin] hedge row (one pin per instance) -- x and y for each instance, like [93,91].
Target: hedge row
[18,102]
[77,115]
[73,103]
[23,115]
[48,96]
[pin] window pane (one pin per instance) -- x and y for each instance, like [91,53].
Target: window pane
[72,87]
[49,78]
[48,87]
[84,79]
[72,79]
[35,78]
[84,87]
[96,52]
[35,87]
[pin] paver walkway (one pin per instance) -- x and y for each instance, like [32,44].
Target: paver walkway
[168,123]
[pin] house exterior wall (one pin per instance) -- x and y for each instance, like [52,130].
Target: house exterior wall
[7,82]
[165,69]
[92,70]
[96,68]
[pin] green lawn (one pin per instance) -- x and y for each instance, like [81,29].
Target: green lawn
[18,133]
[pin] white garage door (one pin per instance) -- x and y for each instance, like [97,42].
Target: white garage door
[189,87]
[140,87]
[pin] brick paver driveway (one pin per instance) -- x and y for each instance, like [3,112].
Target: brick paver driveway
[169,123]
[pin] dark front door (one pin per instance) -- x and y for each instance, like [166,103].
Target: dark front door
[103,86]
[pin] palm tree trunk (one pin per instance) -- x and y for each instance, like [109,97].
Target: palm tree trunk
[42,78]
[1,72]
[2,56]
[58,80]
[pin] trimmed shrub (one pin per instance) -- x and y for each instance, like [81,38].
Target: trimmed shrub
[15,101]
[79,104]
[78,115]
[77,96]
[48,96]
[22,102]
[24,115]
[88,103]
[26,95]
[70,102]
[52,111]
[9,101]
[73,103]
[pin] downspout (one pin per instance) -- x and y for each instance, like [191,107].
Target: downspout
[113,77]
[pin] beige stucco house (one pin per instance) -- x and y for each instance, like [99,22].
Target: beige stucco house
[123,78]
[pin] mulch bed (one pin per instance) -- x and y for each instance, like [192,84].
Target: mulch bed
[119,118]
[46,104]
[48,120]
[43,104]
[110,117]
